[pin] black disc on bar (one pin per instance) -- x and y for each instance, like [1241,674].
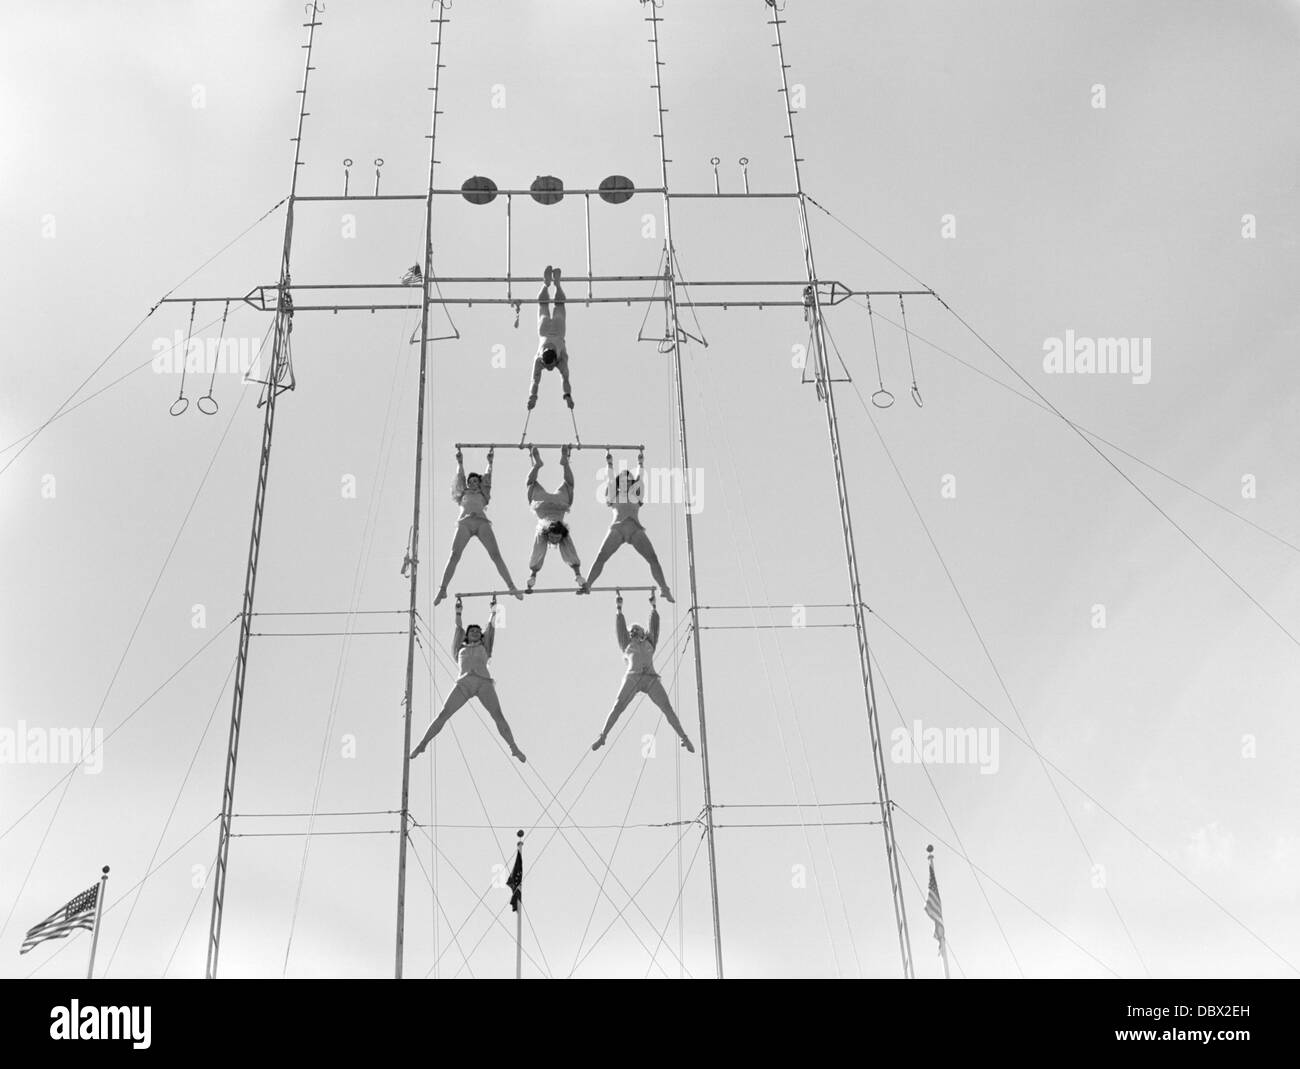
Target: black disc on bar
[479,190]
[547,189]
[616,189]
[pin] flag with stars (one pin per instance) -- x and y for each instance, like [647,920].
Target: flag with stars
[934,908]
[78,913]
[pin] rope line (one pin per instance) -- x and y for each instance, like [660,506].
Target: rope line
[171,813]
[129,335]
[997,673]
[1092,434]
[67,780]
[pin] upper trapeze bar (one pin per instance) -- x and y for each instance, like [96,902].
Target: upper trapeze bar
[545,445]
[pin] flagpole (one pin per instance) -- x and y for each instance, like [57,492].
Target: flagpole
[519,914]
[94,933]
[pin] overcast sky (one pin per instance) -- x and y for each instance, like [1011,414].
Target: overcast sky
[967,142]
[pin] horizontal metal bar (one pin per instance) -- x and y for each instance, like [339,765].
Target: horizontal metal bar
[551,590]
[765,627]
[457,192]
[368,196]
[321,634]
[730,196]
[635,298]
[541,445]
[463,279]
[791,605]
[639,190]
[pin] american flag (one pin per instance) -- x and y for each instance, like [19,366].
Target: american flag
[79,913]
[516,882]
[934,908]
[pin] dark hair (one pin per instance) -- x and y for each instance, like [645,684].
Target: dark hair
[550,357]
[473,475]
[555,532]
[474,627]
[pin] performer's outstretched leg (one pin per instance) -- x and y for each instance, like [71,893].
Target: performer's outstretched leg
[463,535]
[487,694]
[459,695]
[641,543]
[631,685]
[544,305]
[660,697]
[489,541]
[612,541]
[558,313]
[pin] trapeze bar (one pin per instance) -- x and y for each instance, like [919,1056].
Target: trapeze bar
[554,590]
[542,445]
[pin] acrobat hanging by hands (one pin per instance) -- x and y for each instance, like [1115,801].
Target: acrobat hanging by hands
[638,648]
[472,493]
[472,648]
[624,494]
[551,351]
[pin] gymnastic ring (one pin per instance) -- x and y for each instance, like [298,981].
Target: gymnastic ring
[212,401]
[888,398]
[916,396]
[183,402]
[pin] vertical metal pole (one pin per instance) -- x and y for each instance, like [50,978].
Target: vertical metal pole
[827,391]
[670,290]
[586,211]
[440,21]
[94,932]
[509,281]
[279,354]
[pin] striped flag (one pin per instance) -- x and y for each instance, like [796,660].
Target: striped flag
[79,913]
[934,908]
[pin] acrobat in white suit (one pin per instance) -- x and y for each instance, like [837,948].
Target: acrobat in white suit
[638,646]
[472,648]
[551,350]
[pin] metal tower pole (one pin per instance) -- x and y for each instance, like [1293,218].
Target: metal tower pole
[826,390]
[414,548]
[279,358]
[670,288]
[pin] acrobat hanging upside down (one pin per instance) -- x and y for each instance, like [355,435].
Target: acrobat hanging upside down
[551,351]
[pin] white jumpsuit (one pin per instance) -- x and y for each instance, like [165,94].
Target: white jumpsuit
[550,334]
[551,508]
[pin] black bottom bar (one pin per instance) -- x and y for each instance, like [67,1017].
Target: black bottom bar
[972,1021]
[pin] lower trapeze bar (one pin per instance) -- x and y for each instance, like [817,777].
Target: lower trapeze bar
[570,590]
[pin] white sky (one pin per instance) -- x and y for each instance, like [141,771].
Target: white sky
[1117,222]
